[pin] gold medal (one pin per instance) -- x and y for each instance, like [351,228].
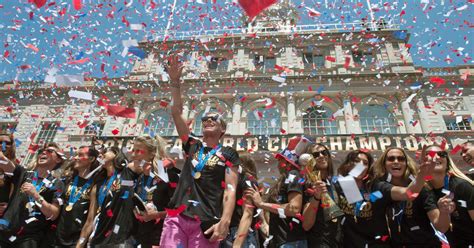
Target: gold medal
[197,175]
[69,207]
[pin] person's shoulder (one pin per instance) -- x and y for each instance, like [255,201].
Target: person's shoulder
[461,183]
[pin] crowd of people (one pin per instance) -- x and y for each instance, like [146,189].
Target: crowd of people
[101,197]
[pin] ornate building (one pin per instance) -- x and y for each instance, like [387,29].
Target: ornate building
[348,85]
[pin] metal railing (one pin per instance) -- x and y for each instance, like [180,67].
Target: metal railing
[313,28]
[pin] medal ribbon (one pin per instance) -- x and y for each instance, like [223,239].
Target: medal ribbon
[446,182]
[202,162]
[73,198]
[104,190]
[145,186]
[359,204]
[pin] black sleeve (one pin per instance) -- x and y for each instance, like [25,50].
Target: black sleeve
[231,155]
[428,199]
[464,191]
[59,189]
[192,142]
[293,181]
[17,174]
[385,188]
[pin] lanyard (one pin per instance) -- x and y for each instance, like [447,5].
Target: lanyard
[145,186]
[73,198]
[330,189]
[104,190]
[359,204]
[446,182]
[38,187]
[399,216]
[202,162]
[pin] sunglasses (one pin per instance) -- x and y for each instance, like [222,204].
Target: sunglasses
[211,117]
[398,158]
[47,150]
[442,154]
[323,152]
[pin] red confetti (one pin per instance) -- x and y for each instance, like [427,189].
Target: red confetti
[38,3]
[428,178]
[77,4]
[175,212]
[115,131]
[121,111]
[456,149]
[331,59]
[253,7]
[110,214]
[163,104]
[240,202]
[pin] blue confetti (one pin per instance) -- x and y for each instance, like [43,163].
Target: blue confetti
[320,89]
[137,52]
[125,195]
[374,196]
[4,146]
[17,142]
[400,35]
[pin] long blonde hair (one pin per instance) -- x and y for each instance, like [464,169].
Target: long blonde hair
[452,169]
[378,171]
[156,146]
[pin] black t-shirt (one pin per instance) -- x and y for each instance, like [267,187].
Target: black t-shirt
[243,184]
[5,189]
[409,223]
[369,226]
[115,218]
[149,233]
[203,197]
[70,223]
[324,233]
[289,229]
[32,222]
[462,233]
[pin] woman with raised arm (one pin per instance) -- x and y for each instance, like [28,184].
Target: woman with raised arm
[364,223]
[8,152]
[155,187]
[78,184]
[322,231]
[410,221]
[449,181]
[110,218]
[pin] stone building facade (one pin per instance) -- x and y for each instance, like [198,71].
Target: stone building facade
[271,80]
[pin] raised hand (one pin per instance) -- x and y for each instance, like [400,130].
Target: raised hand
[175,70]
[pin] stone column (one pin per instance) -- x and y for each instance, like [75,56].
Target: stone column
[291,114]
[236,113]
[352,126]
[424,117]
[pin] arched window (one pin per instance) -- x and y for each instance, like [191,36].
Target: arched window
[263,121]
[319,120]
[376,118]
[160,122]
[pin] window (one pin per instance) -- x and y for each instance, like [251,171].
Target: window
[310,60]
[376,118]
[218,64]
[264,63]
[318,120]
[94,129]
[263,121]
[160,122]
[8,127]
[47,133]
[457,124]
[360,58]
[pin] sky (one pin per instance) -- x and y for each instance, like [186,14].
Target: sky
[88,41]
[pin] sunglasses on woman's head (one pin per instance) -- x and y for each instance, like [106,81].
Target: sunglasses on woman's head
[398,158]
[323,152]
[442,154]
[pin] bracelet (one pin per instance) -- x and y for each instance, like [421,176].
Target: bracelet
[317,199]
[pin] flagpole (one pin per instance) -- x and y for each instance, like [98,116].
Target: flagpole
[371,13]
[170,18]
